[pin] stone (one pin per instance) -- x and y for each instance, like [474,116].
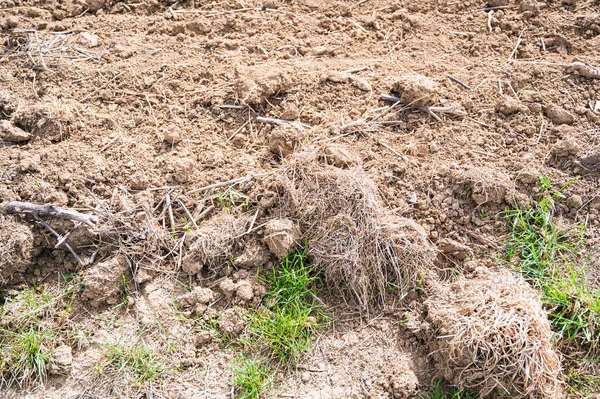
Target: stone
[575,201]
[416,90]
[13,134]
[172,134]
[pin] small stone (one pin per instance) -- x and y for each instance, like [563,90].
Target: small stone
[360,83]
[227,287]
[558,115]
[203,337]
[575,202]
[171,134]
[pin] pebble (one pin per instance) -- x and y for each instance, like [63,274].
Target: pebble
[172,135]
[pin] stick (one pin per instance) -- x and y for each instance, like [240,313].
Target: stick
[229,182]
[452,78]
[170,211]
[271,121]
[516,48]
[489,21]
[402,157]
[16,207]
[59,238]
[188,213]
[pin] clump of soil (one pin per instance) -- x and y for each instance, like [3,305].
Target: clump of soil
[490,332]
[254,85]
[359,244]
[48,120]
[103,282]
[416,90]
[16,243]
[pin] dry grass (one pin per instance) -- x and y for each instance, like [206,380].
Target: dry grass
[494,336]
[352,237]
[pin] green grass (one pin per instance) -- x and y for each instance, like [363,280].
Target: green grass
[137,363]
[251,377]
[281,330]
[442,391]
[546,254]
[31,322]
[291,313]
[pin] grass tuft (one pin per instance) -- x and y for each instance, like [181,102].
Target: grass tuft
[31,322]
[546,256]
[442,391]
[251,377]
[291,313]
[137,363]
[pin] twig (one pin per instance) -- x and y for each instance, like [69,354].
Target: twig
[170,210]
[489,21]
[402,157]
[59,238]
[542,127]
[188,213]
[16,207]
[230,182]
[64,238]
[354,70]
[514,52]
[452,78]
[272,121]
[203,213]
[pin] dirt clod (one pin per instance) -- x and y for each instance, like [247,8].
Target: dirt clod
[509,106]
[558,115]
[172,134]
[284,140]
[339,156]
[12,134]
[104,281]
[254,255]
[254,85]
[49,120]
[198,295]
[281,236]
[565,147]
[16,244]
[61,360]
[231,322]
[417,90]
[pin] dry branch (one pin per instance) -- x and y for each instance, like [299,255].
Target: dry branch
[16,207]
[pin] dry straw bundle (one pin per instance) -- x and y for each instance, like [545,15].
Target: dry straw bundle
[359,244]
[494,336]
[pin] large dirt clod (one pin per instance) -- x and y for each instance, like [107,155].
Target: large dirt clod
[416,90]
[50,120]
[16,244]
[281,236]
[103,282]
[254,85]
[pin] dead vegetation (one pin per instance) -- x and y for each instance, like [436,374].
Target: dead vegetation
[491,333]
[359,244]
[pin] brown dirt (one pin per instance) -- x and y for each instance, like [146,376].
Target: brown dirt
[134,108]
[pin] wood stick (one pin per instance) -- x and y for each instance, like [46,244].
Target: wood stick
[402,157]
[452,78]
[17,207]
[272,121]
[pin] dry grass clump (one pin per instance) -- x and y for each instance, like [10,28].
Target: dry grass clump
[493,335]
[16,243]
[360,245]
[214,243]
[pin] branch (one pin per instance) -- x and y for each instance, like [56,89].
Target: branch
[16,207]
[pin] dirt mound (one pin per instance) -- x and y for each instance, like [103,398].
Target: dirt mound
[359,244]
[490,333]
[16,243]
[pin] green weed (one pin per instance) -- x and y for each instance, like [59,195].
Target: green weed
[30,322]
[137,363]
[546,254]
[251,377]
[442,391]
[291,313]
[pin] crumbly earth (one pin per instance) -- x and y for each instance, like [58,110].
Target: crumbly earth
[141,106]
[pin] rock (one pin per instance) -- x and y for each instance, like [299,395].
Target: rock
[244,291]
[565,147]
[509,106]
[361,83]
[90,38]
[231,322]
[337,77]
[575,202]
[283,140]
[12,22]
[254,85]
[281,236]
[103,282]
[254,255]
[559,115]
[198,295]
[12,134]
[340,156]
[172,134]
[61,360]
[417,90]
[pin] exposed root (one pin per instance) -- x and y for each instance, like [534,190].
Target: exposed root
[492,334]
